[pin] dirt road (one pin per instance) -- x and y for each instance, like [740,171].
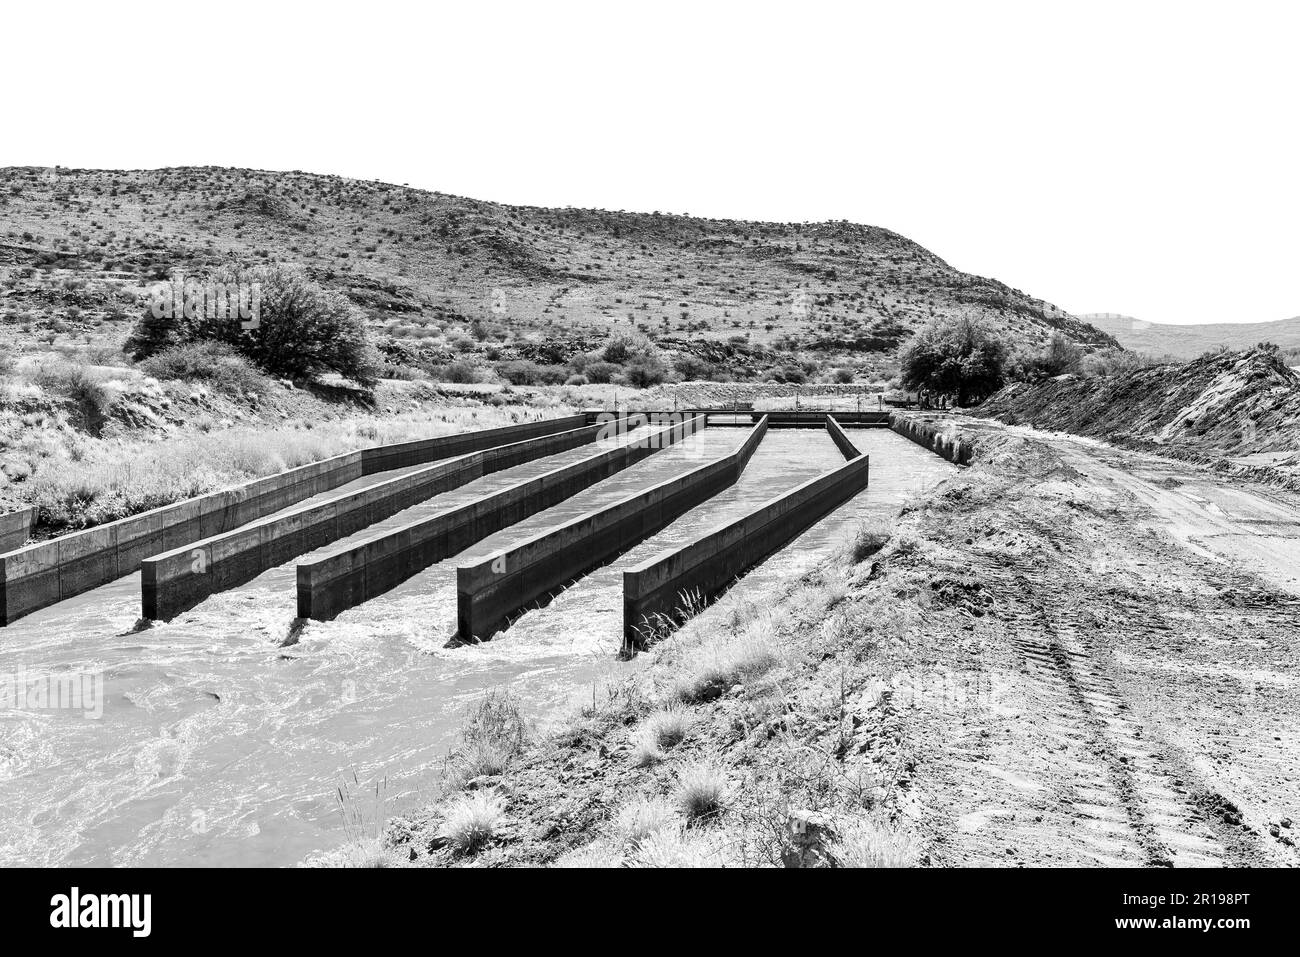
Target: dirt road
[1126,692]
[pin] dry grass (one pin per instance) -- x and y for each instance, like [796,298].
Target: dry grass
[865,540]
[658,733]
[642,818]
[471,821]
[702,791]
[678,847]
[864,842]
[711,668]
[595,855]
[51,417]
[494,734]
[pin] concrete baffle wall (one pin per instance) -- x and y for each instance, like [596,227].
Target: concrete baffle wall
[179,579]
[341,580]
[948,443]
[15,528]
[43,574]
[653,591]
[841,440]
[490,591]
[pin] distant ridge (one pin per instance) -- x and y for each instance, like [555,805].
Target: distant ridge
[1188,342]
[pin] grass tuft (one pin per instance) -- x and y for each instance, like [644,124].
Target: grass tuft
[702,791]
[471,821]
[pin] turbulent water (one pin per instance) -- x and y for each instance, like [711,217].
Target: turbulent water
[216,745]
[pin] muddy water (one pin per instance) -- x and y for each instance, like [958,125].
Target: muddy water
[217,746]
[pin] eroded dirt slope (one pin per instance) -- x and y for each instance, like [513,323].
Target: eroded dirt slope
[1229,403]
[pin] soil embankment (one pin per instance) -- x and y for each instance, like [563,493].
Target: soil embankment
[1244,407]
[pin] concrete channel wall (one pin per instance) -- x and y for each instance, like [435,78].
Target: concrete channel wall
[841,440]
[179,579]
[336,582]
[490,591]
[653,591]
[15,527]
[926,432]
[43,574]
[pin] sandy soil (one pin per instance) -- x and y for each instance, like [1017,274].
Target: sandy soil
[1140,702]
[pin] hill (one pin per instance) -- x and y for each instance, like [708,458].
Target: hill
[443,277]
[1188,342]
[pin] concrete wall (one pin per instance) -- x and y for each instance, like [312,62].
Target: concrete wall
[398,455]
[179,579]
[15,527]
[333,583]
[841,440]
[40,575]
[489,591]
[707,566]
[945,442]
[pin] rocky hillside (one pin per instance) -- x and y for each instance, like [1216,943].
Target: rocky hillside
[443,277]
[1188,342]
[1236,404]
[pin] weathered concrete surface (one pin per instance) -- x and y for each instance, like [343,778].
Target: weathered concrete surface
[815,419]
[179,579]
[653,590]
[333,583]
[489,591]
[15,527]
[34,577]
[841,440]
[935,436]
[398,455]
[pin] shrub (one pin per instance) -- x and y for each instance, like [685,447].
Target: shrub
[600,372]
[528,372]
[842,376]
[691,367]
[91,401]
[460,371]
[214,363]
[302,332]
[645,372]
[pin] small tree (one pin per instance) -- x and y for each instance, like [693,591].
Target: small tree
[1059,357]
[954,358]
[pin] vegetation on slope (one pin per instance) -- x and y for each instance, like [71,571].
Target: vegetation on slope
[458,287]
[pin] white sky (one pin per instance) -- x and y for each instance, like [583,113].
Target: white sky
[1135,157]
